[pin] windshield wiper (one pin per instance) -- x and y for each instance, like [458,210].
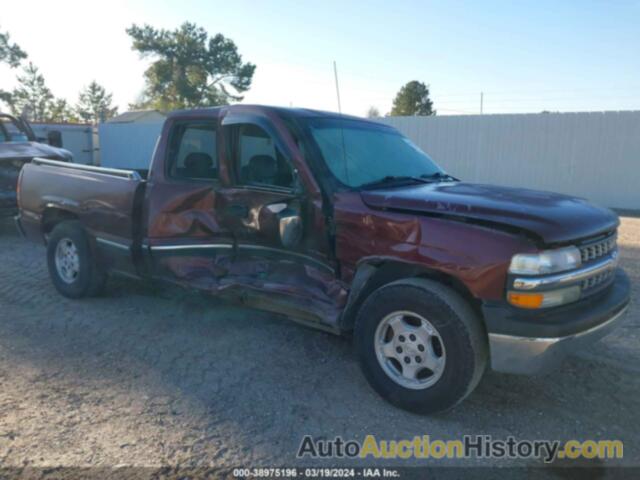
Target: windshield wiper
[394,179]
[437,176]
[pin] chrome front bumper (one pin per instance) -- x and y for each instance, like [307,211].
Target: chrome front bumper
[533,341]
[528,355]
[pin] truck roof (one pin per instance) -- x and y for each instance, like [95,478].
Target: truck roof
[285,111]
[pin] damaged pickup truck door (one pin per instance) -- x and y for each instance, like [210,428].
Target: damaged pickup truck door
[278,264]
[185,235]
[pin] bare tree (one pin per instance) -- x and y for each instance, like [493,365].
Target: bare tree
[373,112]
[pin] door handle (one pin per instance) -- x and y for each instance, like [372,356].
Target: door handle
[237,210]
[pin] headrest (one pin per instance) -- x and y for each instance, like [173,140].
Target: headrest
[198,160]
[262,167]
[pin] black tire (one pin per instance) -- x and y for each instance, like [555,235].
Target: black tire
[91,278]
[461,331]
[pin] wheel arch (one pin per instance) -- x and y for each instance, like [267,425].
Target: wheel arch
[52,216]
[372,274]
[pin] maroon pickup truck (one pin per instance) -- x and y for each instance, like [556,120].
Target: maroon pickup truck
[344,225]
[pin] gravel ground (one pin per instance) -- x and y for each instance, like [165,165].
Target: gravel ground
[147,376]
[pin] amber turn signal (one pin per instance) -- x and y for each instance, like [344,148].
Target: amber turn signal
[551,298]
[526,300]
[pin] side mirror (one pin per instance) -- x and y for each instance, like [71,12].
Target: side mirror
[290,229]
[54,138]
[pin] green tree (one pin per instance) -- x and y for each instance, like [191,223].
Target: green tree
[61,112]
[95,104]
[190,69]
[12,55]
[413,99]
[31,98]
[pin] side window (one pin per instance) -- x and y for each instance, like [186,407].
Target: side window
[193,152]
[258,160]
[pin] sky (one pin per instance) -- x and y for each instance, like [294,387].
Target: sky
[579,55]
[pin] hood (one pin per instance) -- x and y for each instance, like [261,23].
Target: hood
[19,150]
[552,217]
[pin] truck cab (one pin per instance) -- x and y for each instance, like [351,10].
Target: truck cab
[342,224]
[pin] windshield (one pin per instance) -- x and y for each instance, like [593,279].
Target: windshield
[11,130]
[360,153]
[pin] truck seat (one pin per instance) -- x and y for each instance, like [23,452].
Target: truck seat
[262,169]
[199,165]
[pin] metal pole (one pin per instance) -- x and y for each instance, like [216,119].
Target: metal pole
[335,74]
[344,147]
[481,102]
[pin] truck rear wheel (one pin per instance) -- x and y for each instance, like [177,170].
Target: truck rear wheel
[72,264]
[420,345]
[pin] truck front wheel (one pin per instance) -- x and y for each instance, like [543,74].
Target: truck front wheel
[73,267]
[420,345]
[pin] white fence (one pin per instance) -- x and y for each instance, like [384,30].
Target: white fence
[590,155]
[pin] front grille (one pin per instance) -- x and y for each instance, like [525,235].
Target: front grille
[597,280]
[599,248]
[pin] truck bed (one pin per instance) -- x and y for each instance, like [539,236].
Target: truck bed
[107,201]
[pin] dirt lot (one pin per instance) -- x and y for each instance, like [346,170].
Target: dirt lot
[152,377]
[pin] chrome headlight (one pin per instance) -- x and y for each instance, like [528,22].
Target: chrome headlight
[546,262]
